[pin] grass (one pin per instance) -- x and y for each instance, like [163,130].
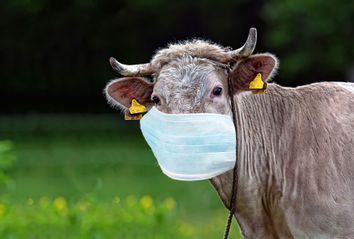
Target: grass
[64,160]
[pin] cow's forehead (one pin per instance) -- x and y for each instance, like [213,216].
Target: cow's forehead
[187,73]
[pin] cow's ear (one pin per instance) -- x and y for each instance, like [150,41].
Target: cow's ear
[121,92]
[246,70]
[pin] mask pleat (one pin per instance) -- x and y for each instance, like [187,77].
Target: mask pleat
[190,146]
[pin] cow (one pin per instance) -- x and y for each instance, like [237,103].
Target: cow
[296,145]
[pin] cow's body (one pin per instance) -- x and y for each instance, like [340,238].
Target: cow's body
[296,154]
[296,165]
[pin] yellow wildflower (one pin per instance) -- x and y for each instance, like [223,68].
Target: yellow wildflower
[169,203]
[60,204]
[146,202]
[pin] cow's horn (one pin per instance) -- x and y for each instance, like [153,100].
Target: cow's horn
[131,70]
[248,47]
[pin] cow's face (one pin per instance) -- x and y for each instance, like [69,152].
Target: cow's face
[191,84]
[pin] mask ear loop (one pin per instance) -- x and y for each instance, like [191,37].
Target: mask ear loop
[232,206]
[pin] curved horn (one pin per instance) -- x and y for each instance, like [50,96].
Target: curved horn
[248,47]
[131,70]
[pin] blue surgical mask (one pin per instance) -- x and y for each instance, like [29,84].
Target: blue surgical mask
[191,147]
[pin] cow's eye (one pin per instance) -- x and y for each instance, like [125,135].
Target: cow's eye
[155,99]
[217,91]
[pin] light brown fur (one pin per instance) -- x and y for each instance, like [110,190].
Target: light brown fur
[296,170]
[296,160]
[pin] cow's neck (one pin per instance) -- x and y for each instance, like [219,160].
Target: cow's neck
[262,123]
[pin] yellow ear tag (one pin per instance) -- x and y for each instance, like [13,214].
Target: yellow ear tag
[257,83]
[135,111]
[258,86]
[128,116]
[136,108]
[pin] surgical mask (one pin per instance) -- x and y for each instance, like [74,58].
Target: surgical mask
[191,147]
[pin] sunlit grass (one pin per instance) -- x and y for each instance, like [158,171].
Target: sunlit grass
[101,184]
[86,216]
[130,217]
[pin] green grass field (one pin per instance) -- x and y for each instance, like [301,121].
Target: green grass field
[95,177]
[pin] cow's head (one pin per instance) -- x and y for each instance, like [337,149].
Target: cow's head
[191,77]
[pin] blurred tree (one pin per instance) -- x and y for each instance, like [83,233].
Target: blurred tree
[313,39]
[54,54]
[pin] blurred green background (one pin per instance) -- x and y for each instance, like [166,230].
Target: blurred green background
[70,167]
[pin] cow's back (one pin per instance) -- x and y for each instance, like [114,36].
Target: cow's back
[318,172]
